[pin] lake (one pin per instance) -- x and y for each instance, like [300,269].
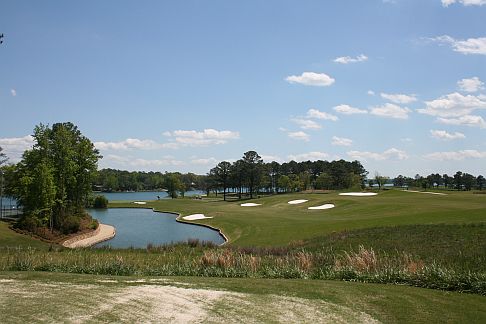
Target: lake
[137,227]
[142,195]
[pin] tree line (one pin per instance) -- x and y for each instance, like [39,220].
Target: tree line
[250,175]
[459,181]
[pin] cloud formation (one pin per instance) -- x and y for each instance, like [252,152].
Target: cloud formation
[206,137]
[456,155]
[389,110]
[341,141]
[389,154]
[348,110]
[13,92]
[453,105]
[467,120]
[301,136]
[311,79]
[444,135]
[14,147]
[447,3]
[349,59]
[314,113]
[399,98]
[311,156]
[306,123]
[475,46]
[470,85]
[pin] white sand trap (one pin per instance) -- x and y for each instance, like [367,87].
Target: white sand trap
[427,192]
[358,194]
[140,202]
[195,217]
[250,205]
[298,201]
[325,206]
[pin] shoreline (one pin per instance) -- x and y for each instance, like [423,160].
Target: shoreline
[102,233]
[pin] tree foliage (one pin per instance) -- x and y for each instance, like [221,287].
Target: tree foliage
[53,180]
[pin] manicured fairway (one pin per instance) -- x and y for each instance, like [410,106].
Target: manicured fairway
[276,222]
[32,297]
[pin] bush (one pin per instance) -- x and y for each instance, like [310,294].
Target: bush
[100,202]
[29,223]
[70,225]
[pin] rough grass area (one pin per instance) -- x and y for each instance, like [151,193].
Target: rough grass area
[34,297]
[276,223]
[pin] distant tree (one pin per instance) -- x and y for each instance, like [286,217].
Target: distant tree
[324,181]
[446,180]
[380,180]
[458,180]
[173,184]
[399,181]
[252,166]
[283,183]
[222,175]
[469,181]
[480,182]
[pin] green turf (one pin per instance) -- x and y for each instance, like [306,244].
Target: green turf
[277,223]
[10,238]
[88,296]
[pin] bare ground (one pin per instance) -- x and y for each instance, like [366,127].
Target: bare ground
[158,300]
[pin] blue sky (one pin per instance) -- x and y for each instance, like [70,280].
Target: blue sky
[182,85]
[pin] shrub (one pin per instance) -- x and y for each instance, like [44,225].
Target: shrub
[70,225]
[100,202]
[29,223]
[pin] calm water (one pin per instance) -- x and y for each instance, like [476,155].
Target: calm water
[141,195]
[138,227]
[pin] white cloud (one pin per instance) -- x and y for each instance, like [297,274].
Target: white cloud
[371,92]
[271,158]
[299,136]
[14,147]
[13,92]
[390,111]
[341,141]
[406,140]
[467,120]
[453,105]
[456,155]
[444,135]
[470,85]
[399,98]
[349,59]
[206,137]
[447,3]
[468,46]
[129,143]
[311,79]
[314,113]
[348,110]
[389,154]
[208,161]
[306,123]
[311,156]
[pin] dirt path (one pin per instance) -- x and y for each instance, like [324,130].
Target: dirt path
[103,233]
[159,301]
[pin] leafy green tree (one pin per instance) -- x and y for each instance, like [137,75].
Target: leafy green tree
[173,184]
[324,181]
[222,175]
[253,167]
[284,183]
[480,182]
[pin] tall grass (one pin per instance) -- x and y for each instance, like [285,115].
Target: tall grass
[363,264]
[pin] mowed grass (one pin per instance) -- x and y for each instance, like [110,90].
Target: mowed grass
[10,238]
[276,223]
[115,299]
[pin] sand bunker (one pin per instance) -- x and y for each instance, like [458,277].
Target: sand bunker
[427,192]
[325,206]
[358,194]
[195,217]
[250,205]
[140,202]
[298,201]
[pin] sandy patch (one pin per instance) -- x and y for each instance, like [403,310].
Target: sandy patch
[103,233]
[250,205]
[140,202]
[427,192]
[298,201]
[195,217]
[358,194]
[325,206]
